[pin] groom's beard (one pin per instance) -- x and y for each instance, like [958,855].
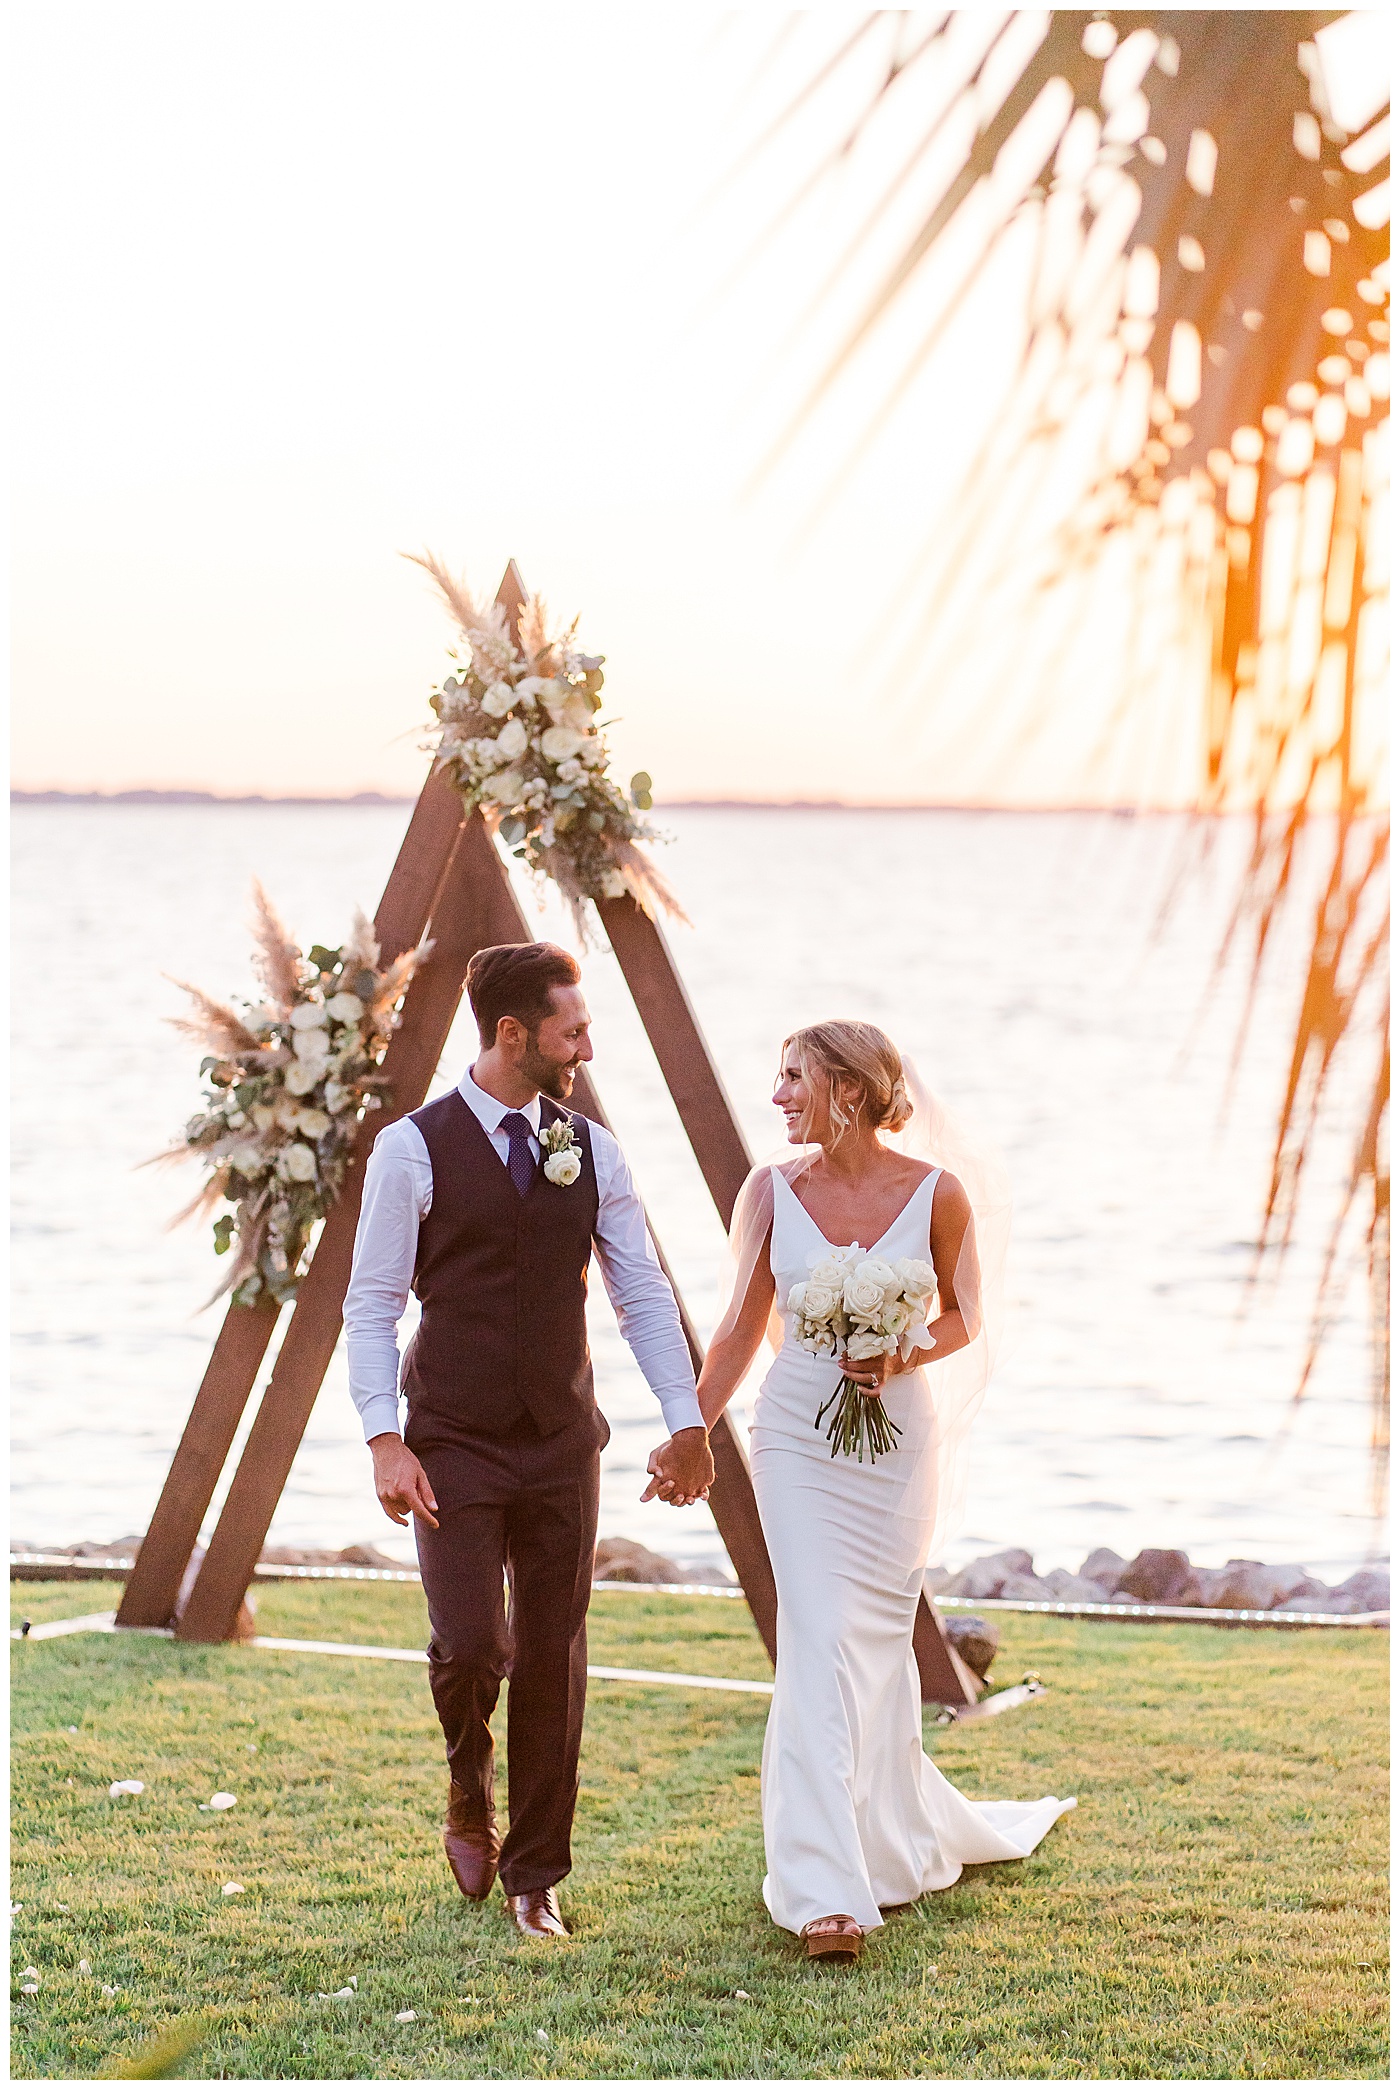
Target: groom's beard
[548,1076]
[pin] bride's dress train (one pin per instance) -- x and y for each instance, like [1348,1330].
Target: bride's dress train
[855,1816]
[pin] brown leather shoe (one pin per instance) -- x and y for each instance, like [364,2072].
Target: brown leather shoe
[473,1846]
[537,1913]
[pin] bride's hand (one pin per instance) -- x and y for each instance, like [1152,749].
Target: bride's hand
[870,1373]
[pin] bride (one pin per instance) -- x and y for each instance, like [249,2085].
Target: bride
[856,1818]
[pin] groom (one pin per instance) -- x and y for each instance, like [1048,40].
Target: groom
[488,1203]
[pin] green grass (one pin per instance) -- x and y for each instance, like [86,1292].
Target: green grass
[1215,1908]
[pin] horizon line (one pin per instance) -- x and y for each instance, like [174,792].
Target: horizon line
[140,795]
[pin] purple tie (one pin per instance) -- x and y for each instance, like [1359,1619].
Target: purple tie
[522,1162]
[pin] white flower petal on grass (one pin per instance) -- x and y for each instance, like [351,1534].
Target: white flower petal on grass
[741,1995]
[84,1966]
[29,1988]
[232,1887]
[541,2036]
[405,2017]
[30,1974]
[333,1995]
[219,1802]
[15,1907]
[110,1991]
[119,1786]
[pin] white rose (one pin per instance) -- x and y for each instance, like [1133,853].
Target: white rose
[593,753]
[826,1269]
[312,1046]
[309,1015]
[298,1163]
[345,1007]
[563,1168]
[864,1298]
[302,1077]
[820,1300]
[336,1096]
[528,688]
[796,1298]
[918,1278]
[512,740]
[313,1124]
[817,1344]
[499,699]
[554,695]
[878,1272]
[264,1116]
[577,712]
[866,1345]
[504,788]
[248,1161]
[558,743]
[236,1121]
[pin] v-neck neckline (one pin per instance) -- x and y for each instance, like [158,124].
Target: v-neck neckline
[932,1176]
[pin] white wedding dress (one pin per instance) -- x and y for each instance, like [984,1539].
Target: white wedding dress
[855,1816]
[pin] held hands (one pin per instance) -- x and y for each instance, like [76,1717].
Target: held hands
[400,1482]
[681,1469]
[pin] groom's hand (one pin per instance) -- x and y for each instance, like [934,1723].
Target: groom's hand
[400,1482]
[681,1469]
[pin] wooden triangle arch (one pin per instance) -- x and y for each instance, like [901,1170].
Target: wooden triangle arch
[448,882]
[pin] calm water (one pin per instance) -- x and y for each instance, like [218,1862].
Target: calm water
[1013,955]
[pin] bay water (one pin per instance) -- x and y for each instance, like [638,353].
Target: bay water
[1143,1396]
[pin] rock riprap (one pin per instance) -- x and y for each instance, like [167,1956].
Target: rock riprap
[1158,1575]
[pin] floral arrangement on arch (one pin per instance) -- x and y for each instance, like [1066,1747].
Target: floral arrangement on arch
[287,1082]
[521,739]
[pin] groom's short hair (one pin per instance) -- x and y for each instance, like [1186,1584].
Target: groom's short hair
[516,979]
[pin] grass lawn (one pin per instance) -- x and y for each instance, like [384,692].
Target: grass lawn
[1214,1908]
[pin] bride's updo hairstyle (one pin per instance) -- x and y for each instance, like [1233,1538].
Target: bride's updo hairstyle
[841,1051]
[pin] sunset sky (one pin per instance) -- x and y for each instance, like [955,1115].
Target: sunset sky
[306,286]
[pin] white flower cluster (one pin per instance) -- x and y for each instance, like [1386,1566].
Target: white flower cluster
[520,737]
[860,1305]
[287,1082]
[563,1157]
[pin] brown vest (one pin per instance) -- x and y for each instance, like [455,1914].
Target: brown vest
[502,1280]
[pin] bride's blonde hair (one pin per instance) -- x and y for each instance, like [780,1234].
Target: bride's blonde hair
[829,1053]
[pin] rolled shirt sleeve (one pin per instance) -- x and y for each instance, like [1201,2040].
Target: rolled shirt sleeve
[638,1289]
[398,1192]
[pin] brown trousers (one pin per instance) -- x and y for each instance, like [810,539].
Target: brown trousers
[519,1513]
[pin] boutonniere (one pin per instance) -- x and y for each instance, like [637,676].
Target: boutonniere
[563,1156]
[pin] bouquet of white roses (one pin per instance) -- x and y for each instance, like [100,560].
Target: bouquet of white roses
[859,1306]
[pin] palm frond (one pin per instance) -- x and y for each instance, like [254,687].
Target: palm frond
[1205,365]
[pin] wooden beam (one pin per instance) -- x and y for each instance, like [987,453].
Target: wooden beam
[732,1502]
[242,1342]
[154,1582]
[944,1677]
[682,1054]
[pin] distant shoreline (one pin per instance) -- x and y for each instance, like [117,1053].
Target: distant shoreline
[667,805]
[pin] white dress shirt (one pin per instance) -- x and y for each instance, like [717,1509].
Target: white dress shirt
[399,1193]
